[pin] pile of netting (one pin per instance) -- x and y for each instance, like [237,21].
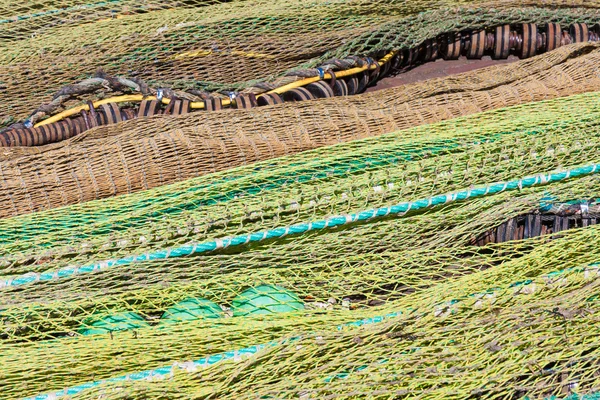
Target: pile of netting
[146,153]
[434,240]
[212,46]
[349,269]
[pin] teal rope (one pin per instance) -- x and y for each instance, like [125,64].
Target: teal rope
[158,372]
[575,396]
[191,366]
[333,222]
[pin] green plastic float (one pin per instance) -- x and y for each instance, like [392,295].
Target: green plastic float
[113,323]
[266,299]
[191,309]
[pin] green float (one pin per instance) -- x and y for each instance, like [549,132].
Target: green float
[113,323]
[266,299]
[191,309]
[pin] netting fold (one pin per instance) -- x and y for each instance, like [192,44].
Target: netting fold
[433,240]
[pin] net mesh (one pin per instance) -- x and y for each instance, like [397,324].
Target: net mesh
[146,153]
[332,277]
[452,352]
[231,46]
[314,250]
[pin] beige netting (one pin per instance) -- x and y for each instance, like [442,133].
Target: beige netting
[142,154]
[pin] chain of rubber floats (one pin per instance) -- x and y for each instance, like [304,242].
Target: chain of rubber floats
[543,223]
[523,41]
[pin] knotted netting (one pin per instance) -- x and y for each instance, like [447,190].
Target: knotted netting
[67,293]
[433,240]
[227,45]
[146,153]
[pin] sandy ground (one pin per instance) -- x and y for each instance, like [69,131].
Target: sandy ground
[437,69]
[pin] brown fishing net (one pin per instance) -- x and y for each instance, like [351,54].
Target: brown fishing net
[146,153]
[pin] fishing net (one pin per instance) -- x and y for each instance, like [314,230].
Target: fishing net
[187,208]
[453,350]
[550,351]
[146,153]
[68,322]
[435,240]
[530,287]
[224,44]
[233,45]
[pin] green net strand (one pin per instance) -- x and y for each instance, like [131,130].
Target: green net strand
[375,270]
[158,372]
[572,250]
[489,352]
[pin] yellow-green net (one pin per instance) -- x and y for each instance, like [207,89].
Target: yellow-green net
[329,276]
[327,249]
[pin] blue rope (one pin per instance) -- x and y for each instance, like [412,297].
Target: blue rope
[158,372]
[335,221]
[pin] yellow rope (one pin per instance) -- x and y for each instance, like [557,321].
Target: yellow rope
[341,74]
[75,110]
[200,105]
[205,53]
